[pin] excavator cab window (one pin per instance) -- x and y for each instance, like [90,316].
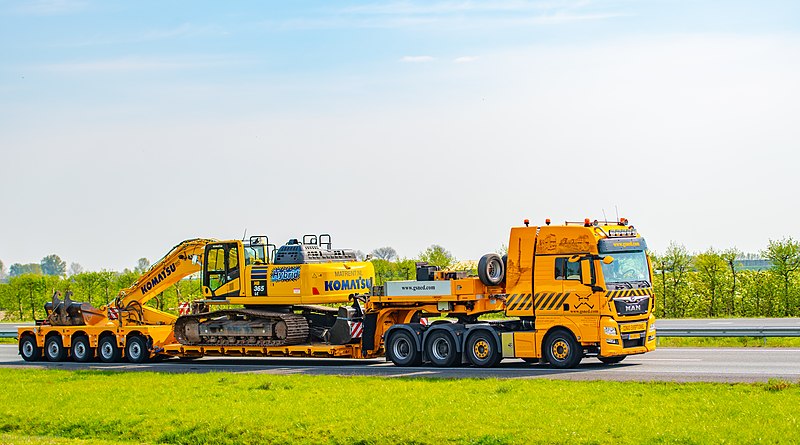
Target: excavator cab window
[233,264]
[215,267]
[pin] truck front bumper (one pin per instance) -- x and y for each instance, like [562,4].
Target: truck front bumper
[627,338]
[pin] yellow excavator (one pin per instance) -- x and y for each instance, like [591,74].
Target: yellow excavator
[274,297]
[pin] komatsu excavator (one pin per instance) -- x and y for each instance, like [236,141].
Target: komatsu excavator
[279,292]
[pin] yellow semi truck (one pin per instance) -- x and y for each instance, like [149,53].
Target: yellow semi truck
[567,291]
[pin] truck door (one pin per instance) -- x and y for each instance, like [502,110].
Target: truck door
[548,290]
[221,271]
[576,294]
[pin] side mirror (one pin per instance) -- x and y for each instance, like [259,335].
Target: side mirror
[574,258]
[608,259]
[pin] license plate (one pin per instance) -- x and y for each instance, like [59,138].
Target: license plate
[634,336]
[632,327]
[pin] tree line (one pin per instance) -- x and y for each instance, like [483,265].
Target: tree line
[713,283]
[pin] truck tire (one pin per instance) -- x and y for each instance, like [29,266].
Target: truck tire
[491,270]
[402,349]
[440,347]
[562,350]
[136,350]
[611,360]
[482,349]
[81,351]
[28,348]
[54,349]
[107,350]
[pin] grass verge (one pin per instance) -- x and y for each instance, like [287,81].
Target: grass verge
[54,407]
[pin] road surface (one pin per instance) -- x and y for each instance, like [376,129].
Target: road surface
[665,364]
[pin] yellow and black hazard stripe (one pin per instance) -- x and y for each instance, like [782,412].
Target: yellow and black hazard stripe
[549,301]
[519,302]
[627,293]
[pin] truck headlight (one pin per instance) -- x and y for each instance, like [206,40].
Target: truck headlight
[652,328]
[610,330]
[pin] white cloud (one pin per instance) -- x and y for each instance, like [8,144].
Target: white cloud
[417,59]
[465,59]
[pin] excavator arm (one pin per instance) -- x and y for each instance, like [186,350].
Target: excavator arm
[181,261]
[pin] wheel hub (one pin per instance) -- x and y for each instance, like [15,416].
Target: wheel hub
[560,349]
[481,349]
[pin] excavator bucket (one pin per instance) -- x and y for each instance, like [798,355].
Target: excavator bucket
[71,313]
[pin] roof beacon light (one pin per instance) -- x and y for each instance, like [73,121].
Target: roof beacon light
[587,223]
[526,222]
[623,221]
[547,221]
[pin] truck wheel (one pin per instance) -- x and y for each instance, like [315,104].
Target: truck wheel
[136,349]
[482,349]
[562,350]
[28,348]
[440,347]
[81,351]
[54,349]
[107,350]
[491,270]
[402,350]
[611,360]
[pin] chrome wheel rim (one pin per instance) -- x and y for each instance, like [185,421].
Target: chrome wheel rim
[440,349]
[27,349]
[401,348]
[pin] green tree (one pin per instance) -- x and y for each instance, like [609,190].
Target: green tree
[75,268]
[437,255]
[385,253]
[710,277]
[18,269]
[2,271]
[53,265]
[730,256]
[672,269]
[142,266]
[785,258]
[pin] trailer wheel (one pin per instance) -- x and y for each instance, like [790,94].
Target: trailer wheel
[440,347]
[402,350]
[136,349]
[81,351]
[611,360]
[482,349]
[107,350]
[54,349]
[562,350]
[491,270]
[28,348]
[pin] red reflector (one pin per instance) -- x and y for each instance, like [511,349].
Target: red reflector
[314,291]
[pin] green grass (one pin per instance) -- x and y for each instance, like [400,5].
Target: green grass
[728,342]
[55,407]
[8,341]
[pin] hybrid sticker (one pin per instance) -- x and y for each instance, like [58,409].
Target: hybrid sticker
[285,274]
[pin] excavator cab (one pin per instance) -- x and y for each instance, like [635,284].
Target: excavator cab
[221,270]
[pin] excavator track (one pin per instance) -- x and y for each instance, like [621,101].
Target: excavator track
[241,327]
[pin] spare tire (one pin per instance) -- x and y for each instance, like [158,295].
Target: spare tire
[491,269]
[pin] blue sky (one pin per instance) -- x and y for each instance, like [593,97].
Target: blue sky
[391,123]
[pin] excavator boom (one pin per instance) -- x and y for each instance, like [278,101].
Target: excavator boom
[181,261]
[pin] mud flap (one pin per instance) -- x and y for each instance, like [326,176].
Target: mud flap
[368,338]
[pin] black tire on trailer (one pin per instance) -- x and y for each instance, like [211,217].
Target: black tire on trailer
[482,349]
[402,349]
[562,350]
[611,360]
[491,270]
[136,350]
[80,350]
[54,349]
[28,348]
[107,350]
[440,347]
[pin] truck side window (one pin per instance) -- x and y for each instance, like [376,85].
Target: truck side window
[566,270]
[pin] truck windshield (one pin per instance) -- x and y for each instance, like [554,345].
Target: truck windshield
[627,267]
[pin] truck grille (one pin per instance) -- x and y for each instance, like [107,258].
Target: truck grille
[632,305]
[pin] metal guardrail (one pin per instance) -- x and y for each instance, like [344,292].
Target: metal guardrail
[758,332]
[8,334]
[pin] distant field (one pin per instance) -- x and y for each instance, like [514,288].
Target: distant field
[61,407]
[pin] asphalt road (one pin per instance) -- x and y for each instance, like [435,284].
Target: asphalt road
[666,364]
